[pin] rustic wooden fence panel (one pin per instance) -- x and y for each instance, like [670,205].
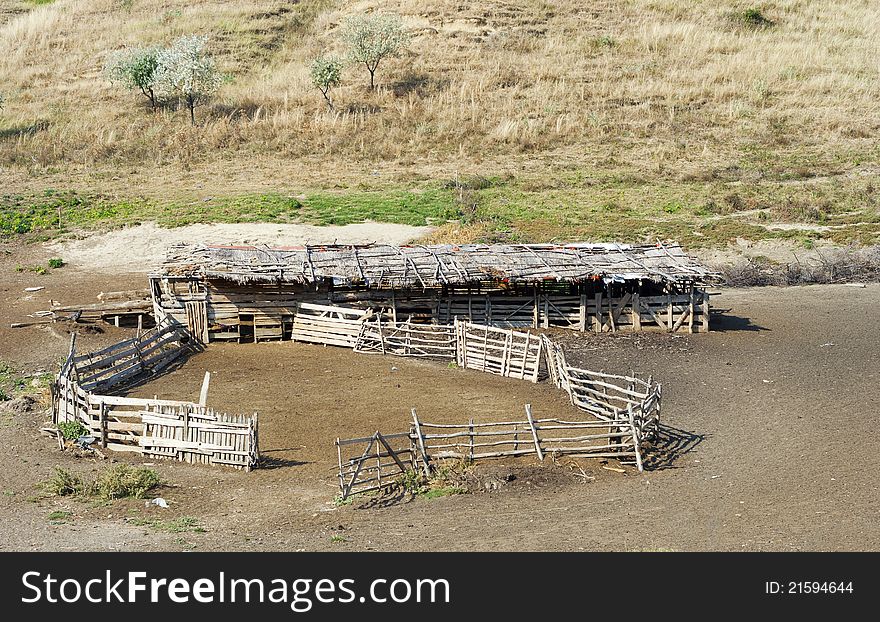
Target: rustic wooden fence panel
[406,339]
[328,325]
[510,353]
[115,365]
[180,430]
[195,434]
[371,463]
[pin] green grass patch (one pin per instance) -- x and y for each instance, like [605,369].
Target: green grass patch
[119,481]
[59,516]
[182,524]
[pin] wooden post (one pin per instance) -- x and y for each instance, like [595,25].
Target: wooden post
[691,311]
[471,437]
[546,310]
[102,417]
[598,300]
[635,436]
[534,432]
[611,312]
[669,321]
[421,439]
[582,319]
[535,311]
[704,327]
[203,395]
[636,313]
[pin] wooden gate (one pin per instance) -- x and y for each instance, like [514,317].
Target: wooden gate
[328,325]
[376,466]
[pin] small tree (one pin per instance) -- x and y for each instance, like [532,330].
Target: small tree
[373,38]
[135,68]
[185,71]
[326,73]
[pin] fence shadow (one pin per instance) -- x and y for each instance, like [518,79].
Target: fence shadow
[723,321]
[270,462]
[669,445]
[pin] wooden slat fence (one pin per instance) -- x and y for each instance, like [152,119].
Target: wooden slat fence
[510,353]
[328,325]
[122,362]
[180,430]
[198,435]
[407,339]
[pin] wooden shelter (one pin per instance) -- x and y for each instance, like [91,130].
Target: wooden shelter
[257,293]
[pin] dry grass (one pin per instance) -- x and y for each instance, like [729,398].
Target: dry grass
[636,92]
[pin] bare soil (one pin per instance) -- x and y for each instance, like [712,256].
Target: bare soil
[769,441]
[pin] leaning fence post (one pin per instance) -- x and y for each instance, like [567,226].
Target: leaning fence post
[635,439]
[534,432]
[421,439]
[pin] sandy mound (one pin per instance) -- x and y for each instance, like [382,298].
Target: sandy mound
[141,248]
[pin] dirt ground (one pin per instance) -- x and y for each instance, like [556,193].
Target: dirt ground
[769,444]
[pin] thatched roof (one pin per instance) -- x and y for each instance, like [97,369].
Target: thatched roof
[382,266]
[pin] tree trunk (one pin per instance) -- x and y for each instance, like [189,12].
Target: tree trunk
[192,109]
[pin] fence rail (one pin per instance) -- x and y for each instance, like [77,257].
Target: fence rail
[406,339]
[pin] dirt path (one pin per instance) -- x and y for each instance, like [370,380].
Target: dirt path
[139,249]
[779,404]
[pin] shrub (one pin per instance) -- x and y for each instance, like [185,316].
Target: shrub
[64,483]
[56,262]
[186,72]
[135,68]
[326,73]
[121,481]
[72,430]
[373,38]
[752,18]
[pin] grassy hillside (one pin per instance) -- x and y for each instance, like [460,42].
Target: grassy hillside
[527,120]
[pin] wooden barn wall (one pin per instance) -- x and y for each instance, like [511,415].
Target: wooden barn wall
[248,313]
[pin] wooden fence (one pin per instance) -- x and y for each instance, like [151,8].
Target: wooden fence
[116,365]
[515,354]
[328,325]
[371,463]
[185,431]
[406,339]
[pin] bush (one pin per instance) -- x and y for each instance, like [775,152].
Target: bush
[326,73]
[135,68]
[56,262]
[72,430]
[64,483]
[752,18]
[121,481]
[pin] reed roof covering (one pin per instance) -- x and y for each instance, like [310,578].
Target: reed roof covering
[401,267]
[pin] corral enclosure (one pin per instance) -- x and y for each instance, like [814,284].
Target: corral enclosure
[250,294]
